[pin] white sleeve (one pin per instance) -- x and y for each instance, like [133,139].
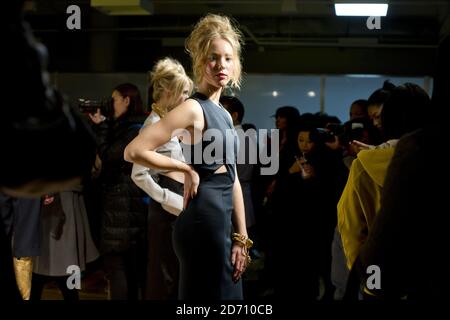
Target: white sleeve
[170,201]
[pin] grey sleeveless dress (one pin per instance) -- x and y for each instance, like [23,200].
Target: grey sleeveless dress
[202,232]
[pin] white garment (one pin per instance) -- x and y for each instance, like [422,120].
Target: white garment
[146,178]
[171,149]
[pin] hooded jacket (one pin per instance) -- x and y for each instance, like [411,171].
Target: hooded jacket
[361,198]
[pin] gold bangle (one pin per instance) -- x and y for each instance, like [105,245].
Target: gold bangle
[242,239]
[248,259]
[245,242]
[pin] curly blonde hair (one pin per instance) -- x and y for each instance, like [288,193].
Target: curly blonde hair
[168,75]
[199,41]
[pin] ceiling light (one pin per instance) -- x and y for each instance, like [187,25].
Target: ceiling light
[274,93]
[361,9]
[363,75]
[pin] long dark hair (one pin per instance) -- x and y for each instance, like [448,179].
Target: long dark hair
[131,91]
[404,111]
[379,96]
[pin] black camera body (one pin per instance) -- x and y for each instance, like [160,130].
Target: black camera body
[330,133]
[106,106]
[337,129]
[323,135]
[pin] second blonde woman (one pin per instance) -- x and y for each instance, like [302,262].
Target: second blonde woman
[171,86]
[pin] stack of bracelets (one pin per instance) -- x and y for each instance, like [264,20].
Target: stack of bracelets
[245,242]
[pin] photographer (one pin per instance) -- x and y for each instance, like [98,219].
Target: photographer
[123,207]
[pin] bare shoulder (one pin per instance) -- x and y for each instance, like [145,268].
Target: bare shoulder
[186,115]
[189,109]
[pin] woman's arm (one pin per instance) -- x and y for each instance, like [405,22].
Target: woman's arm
[170,201]
[141,149]
[101,128]
[239,252]
[142,177]
[238,208]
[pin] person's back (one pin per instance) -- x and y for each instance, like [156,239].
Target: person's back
[360,200]
[409,239]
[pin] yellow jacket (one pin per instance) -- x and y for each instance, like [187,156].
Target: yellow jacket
[360,200]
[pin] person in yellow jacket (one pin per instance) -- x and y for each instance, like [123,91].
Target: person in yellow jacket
[361,198]
[403,112]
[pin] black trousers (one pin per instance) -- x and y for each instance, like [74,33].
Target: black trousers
[39,281]
[162,265]
[125,272]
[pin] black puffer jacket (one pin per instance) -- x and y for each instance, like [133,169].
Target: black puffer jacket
[124,209]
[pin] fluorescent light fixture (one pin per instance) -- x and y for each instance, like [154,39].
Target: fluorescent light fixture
[363,75]
[361,9]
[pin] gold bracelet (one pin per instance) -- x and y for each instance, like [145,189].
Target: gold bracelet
[245,242]
[242,239]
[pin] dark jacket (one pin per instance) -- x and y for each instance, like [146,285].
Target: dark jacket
[8,284]
[123,204]
[21,219]
[409,239]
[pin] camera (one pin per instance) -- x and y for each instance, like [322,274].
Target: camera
[330,132]
[336,129]
[324,135]
[106,106]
